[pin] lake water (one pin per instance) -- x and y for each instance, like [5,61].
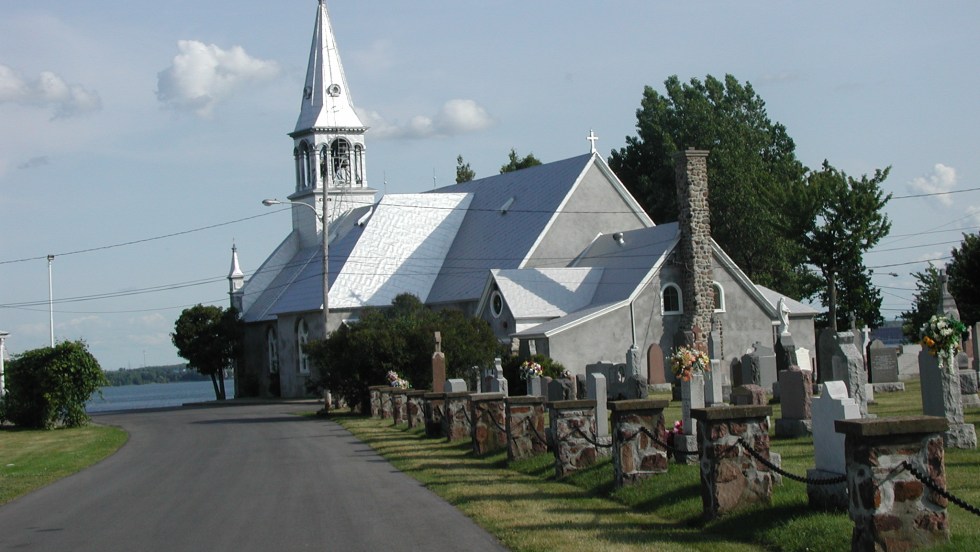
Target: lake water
[155,395]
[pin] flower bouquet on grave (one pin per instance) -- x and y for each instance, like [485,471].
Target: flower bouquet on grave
[397,381]
[530,369]
[942,337]
[686,362]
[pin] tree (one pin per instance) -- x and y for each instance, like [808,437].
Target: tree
[846,221]
[210,338]
[516,163]
[752,166]
[463,171]
[399,338]
[928,296]
[962,271]
[50,386]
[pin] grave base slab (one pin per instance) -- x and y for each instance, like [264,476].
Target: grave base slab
[889,387]
[788,429]
[826,497]
[961,436]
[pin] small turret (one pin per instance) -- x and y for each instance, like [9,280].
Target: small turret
[236,280]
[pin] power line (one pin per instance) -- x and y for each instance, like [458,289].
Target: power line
[936,193]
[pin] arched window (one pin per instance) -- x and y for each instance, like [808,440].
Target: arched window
[297,161]
[719,297]
[306,178]
[671,301]
[302,336]
[340,152]
[324,157]
[359,165]
[272,348]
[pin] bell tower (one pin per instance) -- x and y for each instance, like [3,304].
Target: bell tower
[328,141]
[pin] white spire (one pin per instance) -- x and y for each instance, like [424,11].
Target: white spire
[236,269]
[326,99]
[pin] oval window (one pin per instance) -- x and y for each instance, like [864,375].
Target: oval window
[496,304]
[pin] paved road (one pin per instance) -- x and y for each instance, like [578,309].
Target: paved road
[237,478]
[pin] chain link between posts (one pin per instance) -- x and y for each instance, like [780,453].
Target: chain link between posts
[928,482]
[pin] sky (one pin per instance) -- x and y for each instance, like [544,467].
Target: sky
[137,139]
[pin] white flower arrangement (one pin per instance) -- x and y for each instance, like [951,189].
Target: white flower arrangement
[397,381]
[531,369]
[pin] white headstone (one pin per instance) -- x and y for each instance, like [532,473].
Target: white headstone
[803,358]
[692,396]
[828,445]
[454,386]
[713,385]
[534,387]
[596,389]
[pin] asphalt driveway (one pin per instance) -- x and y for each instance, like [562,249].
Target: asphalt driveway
[237,478]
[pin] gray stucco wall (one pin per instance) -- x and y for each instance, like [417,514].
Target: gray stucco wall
[595,206]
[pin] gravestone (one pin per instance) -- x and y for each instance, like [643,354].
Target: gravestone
[968,382]
[532,347]
[498,384]
[940,388]
[656,373]
[826,345]
[560,390]
[438,364]
[749,395]
[828,446]
[580,390]
[692,397]
[976,346]
[803,358]
[534,388]
[713,381]
[454,386]
[636,381]
[785,352]
[847,365]
[883,367]
[596,386]
[796,394]
[747,371]
[759,367]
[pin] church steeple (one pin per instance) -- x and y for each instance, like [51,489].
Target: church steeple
[236,280]
[329,149]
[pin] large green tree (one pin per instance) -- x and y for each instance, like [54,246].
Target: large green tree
[210,338]
[399,338]
[516,162]
[50,386]
[846,220]
[962,272]
[752,171]
[928,296]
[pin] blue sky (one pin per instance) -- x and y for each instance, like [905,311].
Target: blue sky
[162,126]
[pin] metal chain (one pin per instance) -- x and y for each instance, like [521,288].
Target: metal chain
[665,446]
[493,420]
[541,439]
[793,476]
[591,441]
[928,482]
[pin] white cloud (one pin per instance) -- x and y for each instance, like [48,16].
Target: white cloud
[973,212]
[202,75]
[454,118]
[47,90]
[942,179]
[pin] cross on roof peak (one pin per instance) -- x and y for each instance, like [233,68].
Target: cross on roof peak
[592,138]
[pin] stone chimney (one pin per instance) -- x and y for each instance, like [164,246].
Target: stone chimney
[694,249]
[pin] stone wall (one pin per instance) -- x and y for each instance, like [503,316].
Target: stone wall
[572,426]
[415,409]
[399,406]
[635,454]
[456,416]
[488,415]
[525,427]
[374,393]
[435,408]
[384,397]
[731,478]
[890,507]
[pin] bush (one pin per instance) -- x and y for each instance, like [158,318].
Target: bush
[401,339]
[49,386]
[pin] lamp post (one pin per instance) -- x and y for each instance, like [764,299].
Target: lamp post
[3,353]
[324,241]
[51,299]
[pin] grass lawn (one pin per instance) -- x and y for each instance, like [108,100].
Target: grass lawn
[31,459]
[528,510]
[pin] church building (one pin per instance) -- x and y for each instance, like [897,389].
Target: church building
[559,257]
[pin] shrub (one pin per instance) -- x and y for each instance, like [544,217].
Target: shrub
[49,386]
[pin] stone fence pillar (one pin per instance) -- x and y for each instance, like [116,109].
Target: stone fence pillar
[572,427]
[374,392]
[399,410]
[731,477]
[890,507]
[635,455]
[456,416]
[488,415]
[435,410]
[385,400]
[415,408]
[525,427]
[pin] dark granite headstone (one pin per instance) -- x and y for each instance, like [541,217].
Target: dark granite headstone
[883,362]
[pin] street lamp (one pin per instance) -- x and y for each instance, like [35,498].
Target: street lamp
[324,242]
[51,300]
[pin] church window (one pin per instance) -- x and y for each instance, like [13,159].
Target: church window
[302,337]
[359,165]
[719,298]
[272,348]
[496,304]
[324,158]
[671,301]
[305,179]
[340,153]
